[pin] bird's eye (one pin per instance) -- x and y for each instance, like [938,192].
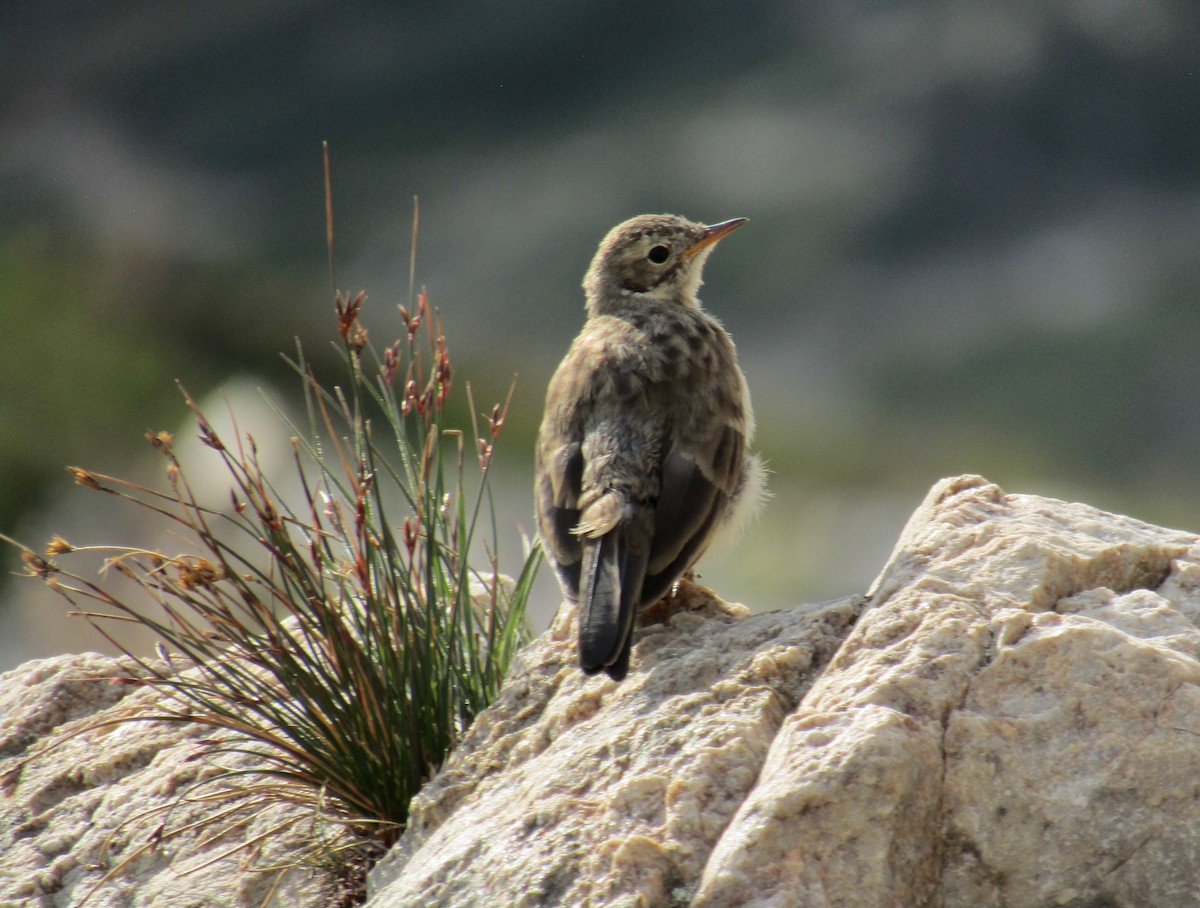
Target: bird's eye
[658,254]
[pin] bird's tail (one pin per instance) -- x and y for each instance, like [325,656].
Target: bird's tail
[611,585]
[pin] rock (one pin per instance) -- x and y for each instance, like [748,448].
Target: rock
[1010,718]
[570,789]
[1014,720]
[119,813]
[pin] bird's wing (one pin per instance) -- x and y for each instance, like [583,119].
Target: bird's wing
[560,476]
[696,487]
[585,382]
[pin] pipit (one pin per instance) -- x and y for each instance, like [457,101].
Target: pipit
[641,457]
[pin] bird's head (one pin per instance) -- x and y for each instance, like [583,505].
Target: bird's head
[652,256]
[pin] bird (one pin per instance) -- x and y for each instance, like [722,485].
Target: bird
[641,457]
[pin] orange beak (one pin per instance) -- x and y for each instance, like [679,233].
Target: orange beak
[713,233]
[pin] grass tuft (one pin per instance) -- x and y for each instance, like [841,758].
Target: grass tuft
[343,639]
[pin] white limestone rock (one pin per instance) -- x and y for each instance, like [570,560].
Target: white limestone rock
[572,789]
[1012,722]
[86,817]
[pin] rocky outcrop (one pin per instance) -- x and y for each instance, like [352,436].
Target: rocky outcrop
[110,813]
[1012,719]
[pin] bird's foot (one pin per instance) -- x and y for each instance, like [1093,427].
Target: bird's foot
[686,595]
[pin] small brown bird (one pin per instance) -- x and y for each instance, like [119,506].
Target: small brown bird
[641,457]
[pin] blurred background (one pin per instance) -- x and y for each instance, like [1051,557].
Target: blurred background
[974,241]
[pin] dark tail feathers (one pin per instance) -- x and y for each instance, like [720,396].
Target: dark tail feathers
[609,597]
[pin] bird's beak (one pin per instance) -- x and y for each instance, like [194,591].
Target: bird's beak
[713,233]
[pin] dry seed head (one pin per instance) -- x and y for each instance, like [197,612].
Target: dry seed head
[194,571]
[208,435]
[410,397]
[58,546]
[36,565]
[391,362]
[85,478]
[161,440]
[412,322]
[347,311]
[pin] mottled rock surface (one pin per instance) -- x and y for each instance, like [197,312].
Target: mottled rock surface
[1013,720]
[119,814]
